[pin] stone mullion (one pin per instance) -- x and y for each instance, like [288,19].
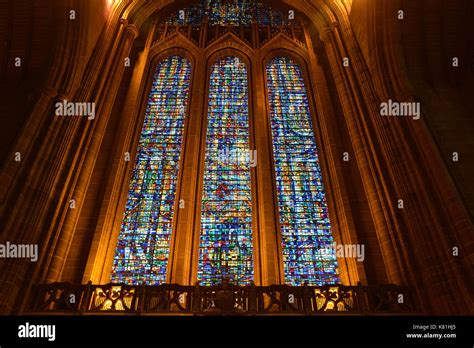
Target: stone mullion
[200,167]
[181,263]
[269,239]
[89,150]
[362,152]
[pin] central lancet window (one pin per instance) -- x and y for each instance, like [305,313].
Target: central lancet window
[226,220]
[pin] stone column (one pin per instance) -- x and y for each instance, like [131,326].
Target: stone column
[102,249]
[428,228]
[182,261]
[331,155]
[269,240]
[59,173]
[104,99]
[368,165]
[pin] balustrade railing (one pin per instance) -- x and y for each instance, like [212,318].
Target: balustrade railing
[66,298]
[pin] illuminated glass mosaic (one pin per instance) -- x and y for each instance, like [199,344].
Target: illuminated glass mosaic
[226,220]
[144,240]
[304,221]
[229,13]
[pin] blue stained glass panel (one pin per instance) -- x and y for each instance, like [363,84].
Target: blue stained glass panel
[304,220]
[229,13]
[144,241]
[226,220]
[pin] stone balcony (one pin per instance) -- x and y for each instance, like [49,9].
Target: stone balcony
[226,299]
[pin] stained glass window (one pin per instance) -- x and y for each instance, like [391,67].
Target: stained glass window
[226,220]
[229,13]
[144,240]
[304,220]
